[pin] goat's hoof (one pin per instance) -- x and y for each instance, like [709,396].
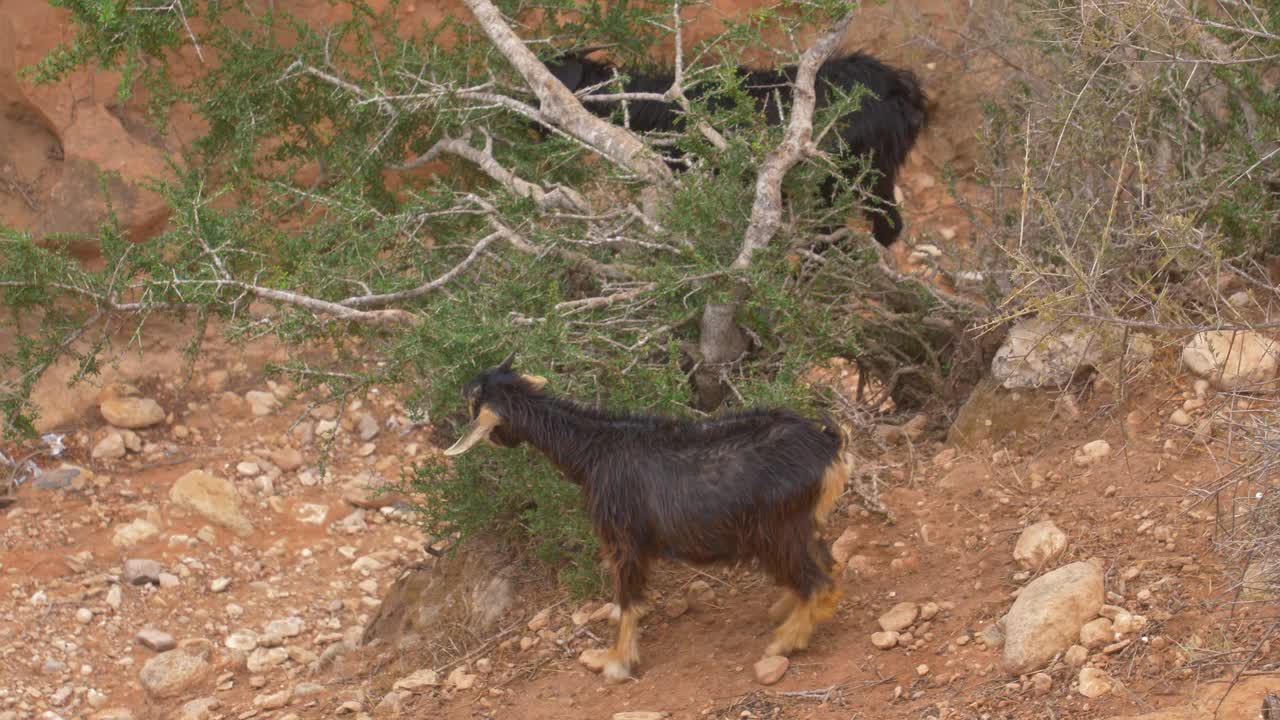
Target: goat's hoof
[777,648]
[616,672]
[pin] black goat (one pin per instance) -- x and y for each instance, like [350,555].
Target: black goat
[754,484]
[885,126]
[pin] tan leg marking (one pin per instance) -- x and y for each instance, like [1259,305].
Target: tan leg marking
[625,653]
[833,482]
[794,633]
[784,605]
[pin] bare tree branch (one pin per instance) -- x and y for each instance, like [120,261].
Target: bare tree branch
[558,198]
[766,211]
[561,107]
[388,298]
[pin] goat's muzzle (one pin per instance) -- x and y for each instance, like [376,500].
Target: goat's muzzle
[479,429]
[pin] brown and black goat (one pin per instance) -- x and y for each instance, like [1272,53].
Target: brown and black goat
[756,484]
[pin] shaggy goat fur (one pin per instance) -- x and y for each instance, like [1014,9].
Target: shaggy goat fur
[757,484]
[885,126]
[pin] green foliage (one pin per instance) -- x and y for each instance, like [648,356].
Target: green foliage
[296,198]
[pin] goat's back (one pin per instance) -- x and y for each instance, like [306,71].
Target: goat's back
[717,490]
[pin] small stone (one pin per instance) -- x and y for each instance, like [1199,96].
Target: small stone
[220,584]
[770,670]
[110,447]
[676,607]
[114,597]
[922,670]
[274,701]
[214,498]
[842,549]
[899,617]
[1041,684]
[84,616]
[1092,453]
[157,640]
[540,620]
[261,403]
[288,627]
[640,715]
[700,595]
[1096,633]
[242,640]
[311,513]
[176,671]
[461,679]
[139,571]
[200,709]
[885,640]
[263,659]
[417,681]
[1039,544]
[134,533]
[929,611]
[527,642]
[132,412]
[287,459]
[366,427]
[1094,683]
[1180,418]
[603,612]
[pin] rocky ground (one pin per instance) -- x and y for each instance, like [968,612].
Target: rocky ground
[185,556]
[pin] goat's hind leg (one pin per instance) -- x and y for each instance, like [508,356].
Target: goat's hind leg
[814,601]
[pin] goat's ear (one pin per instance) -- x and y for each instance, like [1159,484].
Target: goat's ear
[486,420]
[534,381]
[505,366]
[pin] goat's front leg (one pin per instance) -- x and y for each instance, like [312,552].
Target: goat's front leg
[618,662]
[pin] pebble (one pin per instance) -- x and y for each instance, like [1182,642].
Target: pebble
[1092,453]
[84,616]
[1180,418]
[157,640]
[1094,683]
[419,680]
[274,701]
[929,610]
[261,403]
[169,580]
[540,620]
[770,670]
[842,549]
[220,584]
[676,607]
[899,617]
[242,640]
[885,640]
[922,670]
[366,427]
[140,571]
[114,597]
[1041,683]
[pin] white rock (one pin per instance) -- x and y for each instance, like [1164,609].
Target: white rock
[899,617]
[885,640]
[1039,352]
[157,640]
[1180,418]
[1094,683]
[134,533]
[219,584]
[263,659]
[110,447]
[288,627]
[769,670]
[311,513]
[1047,615]
[1096,633]
[420,680]
[84,616]
[140,571]
[242,641]
[1233,360]
[1091,453]
[248,469]
[1039,544]
[261,403]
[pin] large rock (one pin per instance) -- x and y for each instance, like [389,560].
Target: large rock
[1038,544]
[473,584]
[1039,352]
[1233,360]
[175,672]
[212,497]
[1048,614]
